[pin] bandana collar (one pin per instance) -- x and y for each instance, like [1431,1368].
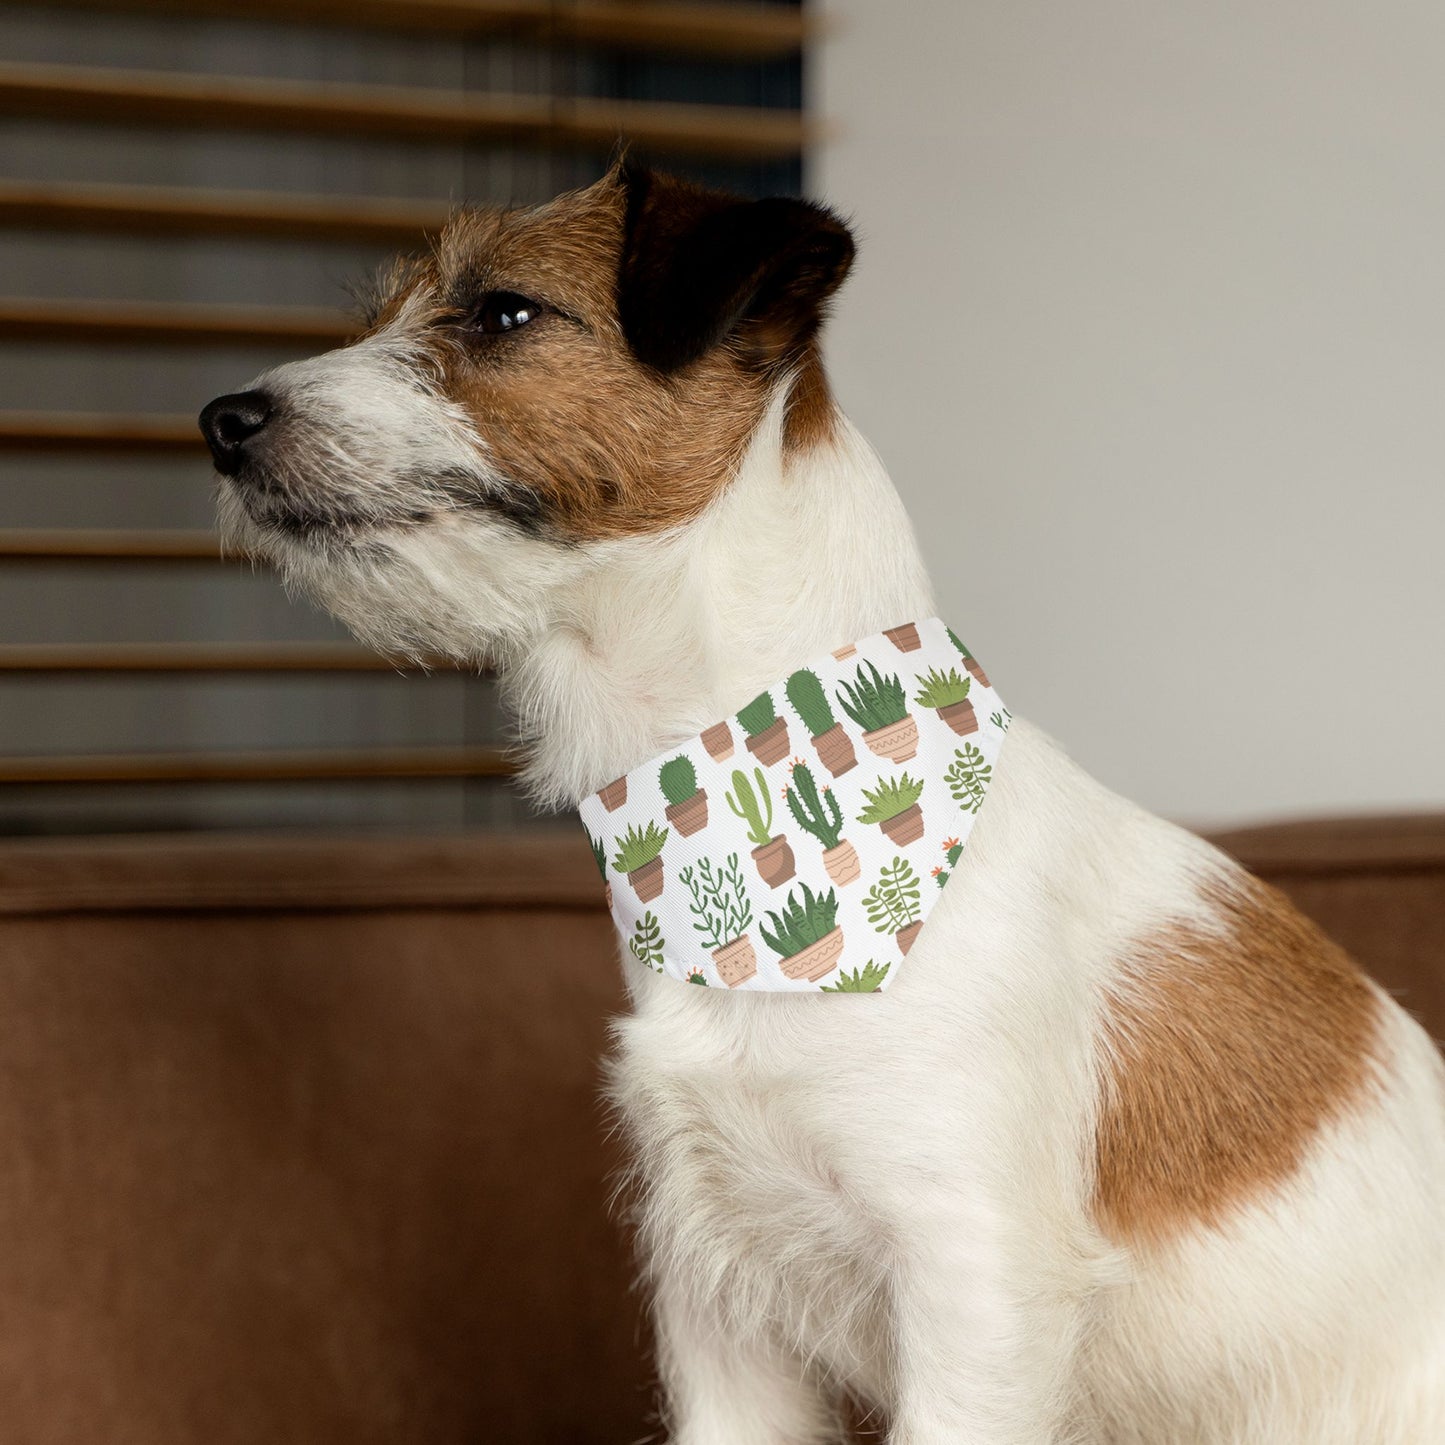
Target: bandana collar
[799,846]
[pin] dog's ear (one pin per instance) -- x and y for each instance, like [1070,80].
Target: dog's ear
[699,266]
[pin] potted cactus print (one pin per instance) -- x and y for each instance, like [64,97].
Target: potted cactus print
[819,814]
[844,653]
[905,638]
[639,855]
[599,857]
[893,903]
[879,706]
[718,740]
[614,795]
[686,802]
[893,805]
[834,746]
[952,852]
[947,694]
[767,732]
[772,856]
[969,660]
[722,910]
[804,935]
[868,979]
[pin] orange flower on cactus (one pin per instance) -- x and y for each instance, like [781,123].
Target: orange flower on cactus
[947,844]
[937,869]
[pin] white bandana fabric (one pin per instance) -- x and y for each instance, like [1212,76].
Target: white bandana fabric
[799,846]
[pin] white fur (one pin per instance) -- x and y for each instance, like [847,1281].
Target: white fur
[889,1194]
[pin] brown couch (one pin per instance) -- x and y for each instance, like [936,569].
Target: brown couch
[302,1140]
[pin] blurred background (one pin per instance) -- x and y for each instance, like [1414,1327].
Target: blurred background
[302,1010]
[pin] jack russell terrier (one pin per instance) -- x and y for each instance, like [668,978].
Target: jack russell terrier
[1118,1148]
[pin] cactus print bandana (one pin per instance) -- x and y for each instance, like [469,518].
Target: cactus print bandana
[799,846]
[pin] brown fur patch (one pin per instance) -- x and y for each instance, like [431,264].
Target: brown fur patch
[811,415]
[1226,1053]
[605,445]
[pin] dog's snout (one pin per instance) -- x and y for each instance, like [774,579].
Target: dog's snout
[229,422]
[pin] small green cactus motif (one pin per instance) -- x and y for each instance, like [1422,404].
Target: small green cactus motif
[968,777]
[816,813]
[767,732]
[1001,719]
[686,802]
[810,702]
[759,715]
[754,808]
[868,979]
[696,976]
[679,780]
[952,852]
[599,855]
[647,942]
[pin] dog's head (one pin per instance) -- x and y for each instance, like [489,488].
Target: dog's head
[542,384]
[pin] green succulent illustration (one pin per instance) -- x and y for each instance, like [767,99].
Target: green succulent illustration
[968,777]
[719,900]
[646,943]
[873,701]
[679,780]
[1001,719]
[941,689]
[638,847]
[893,902]
[599,855]
[802,922]
[891,797]
[868,979]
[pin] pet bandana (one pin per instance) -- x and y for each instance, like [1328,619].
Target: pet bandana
[799,846]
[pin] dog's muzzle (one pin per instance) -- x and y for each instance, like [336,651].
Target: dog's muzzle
[231,423]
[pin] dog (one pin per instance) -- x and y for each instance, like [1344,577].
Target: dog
[1130,1153]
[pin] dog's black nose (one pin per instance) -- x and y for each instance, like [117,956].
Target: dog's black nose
[229,422]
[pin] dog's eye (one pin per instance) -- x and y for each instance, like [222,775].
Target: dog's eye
[504,311]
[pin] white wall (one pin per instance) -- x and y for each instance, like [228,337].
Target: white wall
[1149,324]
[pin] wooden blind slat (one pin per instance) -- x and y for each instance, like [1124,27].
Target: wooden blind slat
[755,32]
[217,102]
[77,431]
[271,766]
[171,323]
[172,211]
[82,544]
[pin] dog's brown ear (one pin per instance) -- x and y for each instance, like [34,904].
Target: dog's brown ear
[699,266]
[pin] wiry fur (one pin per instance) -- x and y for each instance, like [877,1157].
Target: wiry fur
[895,1196]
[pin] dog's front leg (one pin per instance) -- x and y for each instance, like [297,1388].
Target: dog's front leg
[723,1385]
[985,1335]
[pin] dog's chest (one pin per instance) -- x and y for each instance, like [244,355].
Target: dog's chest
[754,1175]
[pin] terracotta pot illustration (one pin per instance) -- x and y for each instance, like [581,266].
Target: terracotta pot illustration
[960,716]
[775,862]
[689,815]
[898,741]
[835,749]
[905,638]
[607,894]
[842,863]
[771,744]
[736,961]
[845,652]
[906,936]
[614,795]
[647,881]
[718,740]
[816,960]
[907,827]
[975,671]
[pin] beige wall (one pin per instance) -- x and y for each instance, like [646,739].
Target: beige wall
[1149,324]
